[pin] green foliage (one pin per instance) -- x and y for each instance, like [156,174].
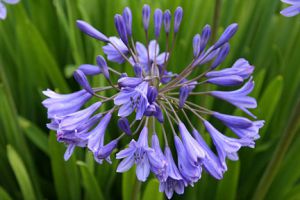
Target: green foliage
[21,174]
[40,47]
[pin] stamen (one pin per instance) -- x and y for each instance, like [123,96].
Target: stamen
[165,135]
[187,118]
[172,109]
[168,117]
[139,126]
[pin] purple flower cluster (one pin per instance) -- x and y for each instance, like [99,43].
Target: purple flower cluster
[292,10]
[3,11]
[156,104]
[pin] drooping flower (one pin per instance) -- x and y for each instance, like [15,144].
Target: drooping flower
[3,11]
[190,173]
[194,151]
[96,138]
[292,10]
[211,162]
[160,168]
[226,147]
[239,97]
[152,93]
[174,180]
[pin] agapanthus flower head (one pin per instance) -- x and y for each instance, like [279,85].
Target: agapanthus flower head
[3,11]
[293,9]
[155,98]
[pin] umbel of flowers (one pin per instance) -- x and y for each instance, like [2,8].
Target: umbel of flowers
[156,98]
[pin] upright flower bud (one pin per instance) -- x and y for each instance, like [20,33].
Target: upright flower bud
[205,35]
[121,28]
[177,18]
[146,16]
[124,125]
[167,21]
[227,35]
[158,15]
[127,16]
[103,66]
[196,45]
[91,31]
[82,80]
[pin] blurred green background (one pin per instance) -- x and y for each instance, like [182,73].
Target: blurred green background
[40,47]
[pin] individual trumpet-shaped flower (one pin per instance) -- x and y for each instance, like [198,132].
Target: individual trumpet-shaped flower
[72,137]
[226,146]
[151,96]
[137,153]
[74,120]
[210,162]
[64,104]
[292,10]
[195,152]
[239,97]
[241,126]
[133,98]
[3,11]
[190,173]
[174,180]
[158,168]
[96,138]
[240,68]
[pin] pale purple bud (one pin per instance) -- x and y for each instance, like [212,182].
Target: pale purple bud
[82,80]
[152,94]
[129,82]
[146,16]
[121,28]
[196,45]
[167,21]
[127,16]
[138,70]
[227,35]
[103,66]
[205,35]
[221,56]
[124,125]
[91,31]
[158,15]
[232,80]
[177,18]
[89,69]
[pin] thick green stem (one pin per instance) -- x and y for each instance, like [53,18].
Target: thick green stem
[281,149]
